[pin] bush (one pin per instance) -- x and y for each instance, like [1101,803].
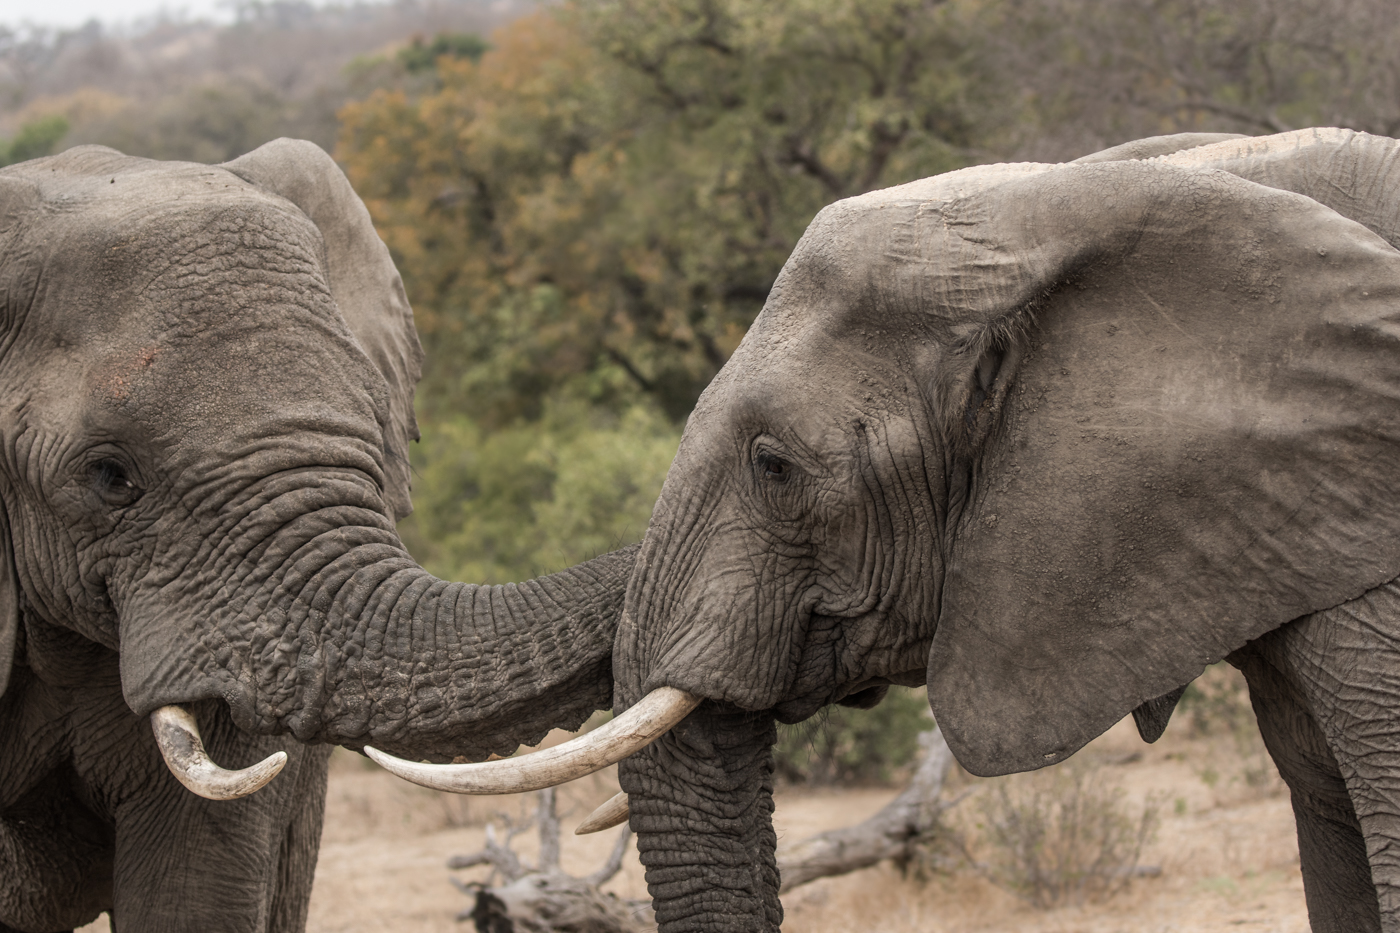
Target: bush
[1062,836]
[533,498]
[36,138]
[854,746]
[1217,704]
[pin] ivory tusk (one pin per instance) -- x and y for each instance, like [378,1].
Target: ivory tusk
[610,814]
[634,730]
[177,734]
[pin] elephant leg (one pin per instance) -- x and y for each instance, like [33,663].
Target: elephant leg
[1344,664]
[55,851]
[57,858]
[1337,883]
[297,859]
[184,863]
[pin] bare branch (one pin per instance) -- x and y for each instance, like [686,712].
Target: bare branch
[614,863]
[548,821]
[887,834]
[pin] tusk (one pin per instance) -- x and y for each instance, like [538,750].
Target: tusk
[610,814]
[634,730]
[177,734]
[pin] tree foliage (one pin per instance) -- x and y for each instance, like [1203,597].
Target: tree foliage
[38,137]
[494,506]
[600,204]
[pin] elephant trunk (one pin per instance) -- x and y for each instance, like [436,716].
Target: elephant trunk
[701,801]
[334,634]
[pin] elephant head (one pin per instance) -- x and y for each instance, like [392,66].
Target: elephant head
[207,376]
[1048,438]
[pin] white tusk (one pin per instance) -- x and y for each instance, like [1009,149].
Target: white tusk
[610,814]
[608,744]
[177,734]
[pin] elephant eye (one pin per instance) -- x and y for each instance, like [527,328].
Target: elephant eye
[113,483]
[774,469]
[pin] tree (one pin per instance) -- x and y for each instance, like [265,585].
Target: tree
[39,137]
[1087,76]
[601,203]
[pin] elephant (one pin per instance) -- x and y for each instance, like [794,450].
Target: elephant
[1049,439]
[207,376]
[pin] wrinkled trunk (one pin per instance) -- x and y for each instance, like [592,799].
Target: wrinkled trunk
[334,634]
[701,801]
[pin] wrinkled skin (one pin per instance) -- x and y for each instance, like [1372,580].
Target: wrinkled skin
[207,379]
[1050,439]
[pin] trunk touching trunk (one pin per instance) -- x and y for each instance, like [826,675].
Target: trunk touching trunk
[701,801]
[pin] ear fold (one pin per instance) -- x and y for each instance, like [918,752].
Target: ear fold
[9,604]
[363,281]
[17,197]
[1355,174]
[1154,146]
[1196,442]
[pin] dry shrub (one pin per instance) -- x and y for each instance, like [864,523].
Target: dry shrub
[1062,836]
[1217,706]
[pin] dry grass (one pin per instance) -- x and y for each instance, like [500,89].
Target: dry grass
[1226,846]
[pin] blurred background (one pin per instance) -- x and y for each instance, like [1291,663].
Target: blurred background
[590,200]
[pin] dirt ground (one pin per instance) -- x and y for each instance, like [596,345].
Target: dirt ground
[1225,845]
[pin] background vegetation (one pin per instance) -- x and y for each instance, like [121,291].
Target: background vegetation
[589,200]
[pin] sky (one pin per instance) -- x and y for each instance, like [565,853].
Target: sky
[72,13]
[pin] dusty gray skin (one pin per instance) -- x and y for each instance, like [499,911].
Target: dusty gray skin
[1050,439]
[207,379]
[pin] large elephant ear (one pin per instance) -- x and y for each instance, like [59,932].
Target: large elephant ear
[1193,437]
[363,280]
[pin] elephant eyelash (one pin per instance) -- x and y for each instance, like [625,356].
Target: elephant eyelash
[113,483]
[984,379]
[773,468]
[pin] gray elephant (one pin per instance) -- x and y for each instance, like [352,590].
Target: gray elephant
[1050,439]
[207,377]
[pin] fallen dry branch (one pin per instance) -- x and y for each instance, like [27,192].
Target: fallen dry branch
[542,898]
[891,833]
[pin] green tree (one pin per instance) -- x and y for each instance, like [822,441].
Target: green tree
[843,745]
[600,204]
[502,505]
[36,138]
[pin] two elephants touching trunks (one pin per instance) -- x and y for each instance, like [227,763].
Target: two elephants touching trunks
[1048,438]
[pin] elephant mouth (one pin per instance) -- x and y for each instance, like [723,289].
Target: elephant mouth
[177,736]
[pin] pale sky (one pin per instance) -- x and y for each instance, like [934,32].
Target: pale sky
[71,13]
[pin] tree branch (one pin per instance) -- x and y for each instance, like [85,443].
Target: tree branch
[887,834]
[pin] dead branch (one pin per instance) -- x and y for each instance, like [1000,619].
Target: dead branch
[542,898]
[891,833]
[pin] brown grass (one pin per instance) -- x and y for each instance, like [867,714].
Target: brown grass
[1226,846]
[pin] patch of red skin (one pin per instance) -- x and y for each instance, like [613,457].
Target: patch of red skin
[118,385]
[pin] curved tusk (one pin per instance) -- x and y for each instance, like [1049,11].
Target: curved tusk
[634,730]
[612,813]
[177,734]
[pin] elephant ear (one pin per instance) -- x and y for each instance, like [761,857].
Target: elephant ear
[363,280]
[1192,438]
[1355,174]
[1154,146]
[9,604]
[18,275]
